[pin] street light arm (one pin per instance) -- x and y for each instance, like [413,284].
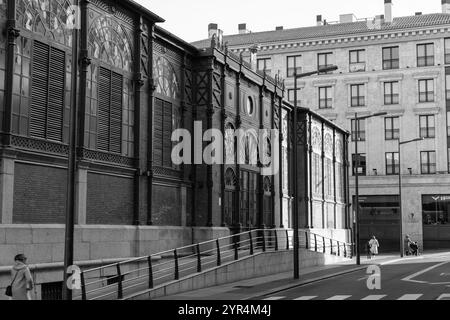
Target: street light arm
[307,74]
[413,140]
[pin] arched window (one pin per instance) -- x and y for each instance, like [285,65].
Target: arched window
[166,79]
[248,149]
[229,144]
[47,17]
[230,178]
[110,43]
[250,106]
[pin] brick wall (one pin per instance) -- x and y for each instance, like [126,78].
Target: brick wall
[166,206]
[39,194]
[109,200]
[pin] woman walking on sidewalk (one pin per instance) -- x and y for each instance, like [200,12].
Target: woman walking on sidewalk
[374,246]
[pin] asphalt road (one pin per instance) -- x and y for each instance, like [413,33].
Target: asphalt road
[411,278]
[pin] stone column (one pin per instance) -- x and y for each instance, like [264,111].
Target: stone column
[81,195]
[7,188]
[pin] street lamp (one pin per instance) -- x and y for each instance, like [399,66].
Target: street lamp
[356,168]
[295,222]
[400,190]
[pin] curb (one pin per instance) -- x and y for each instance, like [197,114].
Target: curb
[305,282]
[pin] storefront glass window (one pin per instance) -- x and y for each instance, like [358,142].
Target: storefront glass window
[435,209]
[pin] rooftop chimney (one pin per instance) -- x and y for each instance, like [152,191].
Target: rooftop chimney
[319,20]
[212,30]
[347,18]
[388,11]
[445,6]
[253,57]
[242,28]
[279,28]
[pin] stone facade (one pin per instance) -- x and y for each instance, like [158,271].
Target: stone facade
[339,39]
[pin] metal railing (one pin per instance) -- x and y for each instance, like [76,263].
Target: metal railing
[117,280]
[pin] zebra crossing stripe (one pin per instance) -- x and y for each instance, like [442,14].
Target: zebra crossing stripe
[374,297]
[274,298]
[410,297]
[338,297]
[306,298]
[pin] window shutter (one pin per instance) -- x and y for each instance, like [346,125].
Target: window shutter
[104,94]
[38,113]
[167,134]
[115,142]
[55,108]
[110,86]
[158,131]
[47,92]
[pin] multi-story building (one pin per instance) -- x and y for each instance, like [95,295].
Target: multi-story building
[400,66]
[132,84]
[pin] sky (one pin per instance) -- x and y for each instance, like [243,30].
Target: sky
[189,19]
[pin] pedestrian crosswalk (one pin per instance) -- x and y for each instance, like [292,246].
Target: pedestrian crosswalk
[349,297]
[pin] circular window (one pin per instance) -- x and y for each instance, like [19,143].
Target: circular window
[250,107]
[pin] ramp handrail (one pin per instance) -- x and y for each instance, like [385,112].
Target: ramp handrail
[114,281]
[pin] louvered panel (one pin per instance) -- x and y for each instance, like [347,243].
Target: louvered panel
[39,93]
[104,94]
[158,131]
[116,113]
[167,134]
[55,108]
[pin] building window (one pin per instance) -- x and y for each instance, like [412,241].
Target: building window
[163,128]
[448,159]
[428,162]
[357,60]
[435,209]
[360,131]
[52,291]
[448,123]
[426,90]
[447,51]
[427,129]
[325,99]
[391,92]
[357,95]
[265,65]
[291,96]
[391,59]
[362,164]
[250,106]
[425,55]
[392,163]
[324,61]
[391,128]
[110,88]
[293,64]
[47,92]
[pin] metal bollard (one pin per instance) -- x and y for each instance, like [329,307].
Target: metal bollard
[119,283]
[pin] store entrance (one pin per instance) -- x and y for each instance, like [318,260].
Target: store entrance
[436,227]
[379,216]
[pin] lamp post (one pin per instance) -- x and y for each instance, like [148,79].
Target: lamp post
[295,218]
[400,191]
[356,168]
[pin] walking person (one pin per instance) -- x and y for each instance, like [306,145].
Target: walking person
[374,245]
[21,280]
[369,253]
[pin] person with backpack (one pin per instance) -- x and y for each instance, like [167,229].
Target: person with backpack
[21,280]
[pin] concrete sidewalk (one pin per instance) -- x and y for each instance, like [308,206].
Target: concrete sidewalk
[247,289]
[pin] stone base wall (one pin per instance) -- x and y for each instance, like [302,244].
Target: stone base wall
[250,267]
